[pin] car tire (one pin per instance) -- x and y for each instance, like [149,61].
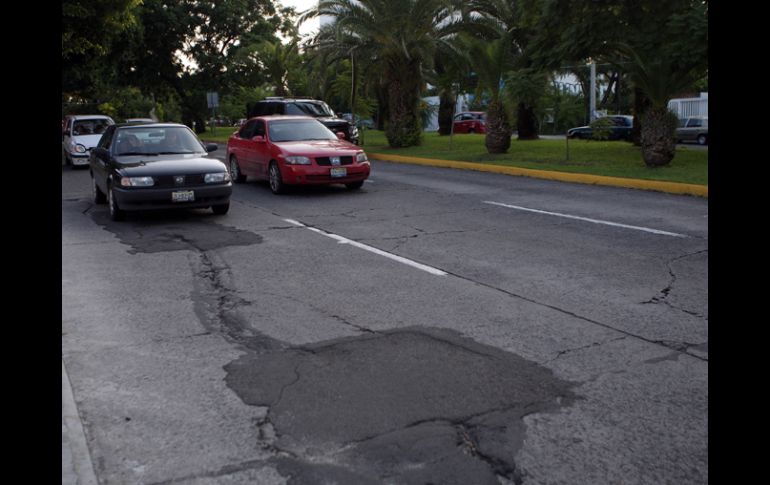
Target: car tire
[116,213]
[220,209]
[276,181]
[235,171]
[355,185]
[702,140]
[96,193]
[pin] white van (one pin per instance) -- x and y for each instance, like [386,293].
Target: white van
[81,134]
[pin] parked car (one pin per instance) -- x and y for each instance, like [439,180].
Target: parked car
[157,166]
[694,128]
[470,122]
[367,123]
[295,150]
[81,134]
[305,107]
[619,129]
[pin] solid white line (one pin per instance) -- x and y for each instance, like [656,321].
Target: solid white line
[81,457]
[344,240]
[595,221]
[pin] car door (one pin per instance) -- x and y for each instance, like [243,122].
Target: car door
[100,159]
[692,129]
[260,150]
[240,147]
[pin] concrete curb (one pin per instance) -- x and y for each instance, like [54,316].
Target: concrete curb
[668,187]
[77,467]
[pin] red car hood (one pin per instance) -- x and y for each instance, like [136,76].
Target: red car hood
[319,148]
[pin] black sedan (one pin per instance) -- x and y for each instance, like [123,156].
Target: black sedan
[617,127]
[157,166]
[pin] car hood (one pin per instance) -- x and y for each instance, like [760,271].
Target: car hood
[143,165]
[88,141]
[332,119]
[319,148]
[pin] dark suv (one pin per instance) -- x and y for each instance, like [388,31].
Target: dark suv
[307,107]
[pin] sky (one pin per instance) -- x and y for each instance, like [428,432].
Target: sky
[300,5]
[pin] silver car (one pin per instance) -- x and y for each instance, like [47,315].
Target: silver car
[694,128]
[81,134]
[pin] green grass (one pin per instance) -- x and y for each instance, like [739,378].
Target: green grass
[612,159]
[219,135]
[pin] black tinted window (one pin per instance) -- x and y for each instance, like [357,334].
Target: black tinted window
[308,109]
[248,129]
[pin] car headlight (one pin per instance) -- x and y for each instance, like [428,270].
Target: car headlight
[361,157]
[77,148]
[219,177]
[294,160]
[137,181]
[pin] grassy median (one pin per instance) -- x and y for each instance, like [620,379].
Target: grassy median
[612,159]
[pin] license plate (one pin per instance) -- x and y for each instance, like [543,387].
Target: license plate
[183,196]
[338,171]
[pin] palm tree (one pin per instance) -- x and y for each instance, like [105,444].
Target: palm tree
[490,60]
[400,37]
[659,79]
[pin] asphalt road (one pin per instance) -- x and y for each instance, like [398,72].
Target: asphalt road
[437,326]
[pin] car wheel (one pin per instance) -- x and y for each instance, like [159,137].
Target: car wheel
[471,131]
[702,139]
[116,213]
[355,185]
[235,171]
[96,193]
[276,182]
[220,209]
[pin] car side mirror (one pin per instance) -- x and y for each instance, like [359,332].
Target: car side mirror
[211,147]
[258,138]
[340,135]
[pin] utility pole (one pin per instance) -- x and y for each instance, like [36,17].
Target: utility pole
[592,104]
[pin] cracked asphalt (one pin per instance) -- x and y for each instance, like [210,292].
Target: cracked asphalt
[246,349]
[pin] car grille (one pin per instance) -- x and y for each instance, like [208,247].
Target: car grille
[325,162]
[168,181]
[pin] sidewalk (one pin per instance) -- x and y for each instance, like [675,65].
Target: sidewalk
[658,186]
[76,466]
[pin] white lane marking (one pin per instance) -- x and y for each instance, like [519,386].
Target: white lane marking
[344,240]
[595,221]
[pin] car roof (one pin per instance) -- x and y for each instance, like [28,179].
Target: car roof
[284,117]
[147,124]
[89,117]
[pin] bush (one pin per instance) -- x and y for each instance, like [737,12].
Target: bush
[600,129]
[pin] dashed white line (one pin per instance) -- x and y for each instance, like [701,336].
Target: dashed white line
[366,247]
[586,219]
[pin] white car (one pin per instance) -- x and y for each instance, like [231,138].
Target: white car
[81,134]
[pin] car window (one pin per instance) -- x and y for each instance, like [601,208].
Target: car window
[248,129]
[106,139]
[259,128]
[94,126]
[694,123]
[308,109]
[156,140]
[296,130]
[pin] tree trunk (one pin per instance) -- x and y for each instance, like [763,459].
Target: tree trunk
[446,110]
[641,104]
[526,122]
[658,140]
[404,128]
[498,139]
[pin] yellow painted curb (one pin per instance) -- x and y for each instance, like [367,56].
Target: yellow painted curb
[581,178]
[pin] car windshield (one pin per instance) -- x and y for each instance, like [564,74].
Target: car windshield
[156,140]
[309,109]
[94,126]
[299,130]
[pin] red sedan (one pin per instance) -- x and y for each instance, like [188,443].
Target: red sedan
[470,122]
[294,150]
